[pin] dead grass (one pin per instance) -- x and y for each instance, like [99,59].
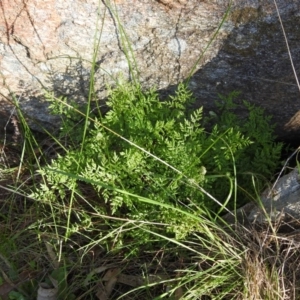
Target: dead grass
[271,263]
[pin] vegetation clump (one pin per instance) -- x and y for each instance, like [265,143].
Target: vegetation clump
[139,191]
[144,148]
[130,209]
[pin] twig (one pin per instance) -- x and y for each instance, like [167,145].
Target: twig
[283,168]
[287,44]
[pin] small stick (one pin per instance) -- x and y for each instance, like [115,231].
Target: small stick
[283,168]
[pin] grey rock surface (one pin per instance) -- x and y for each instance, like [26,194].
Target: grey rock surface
[278,203]
[50,45]
[281,201]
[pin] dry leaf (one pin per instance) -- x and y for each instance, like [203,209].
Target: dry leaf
[110,277]
[52,255]
[136,281]
[5,288]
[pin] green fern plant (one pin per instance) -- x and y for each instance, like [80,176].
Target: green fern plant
[261,157]
[170,132]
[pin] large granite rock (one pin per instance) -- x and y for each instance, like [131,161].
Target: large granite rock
[49,44]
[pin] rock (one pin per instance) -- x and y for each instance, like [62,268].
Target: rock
[281,201]
[51,45]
